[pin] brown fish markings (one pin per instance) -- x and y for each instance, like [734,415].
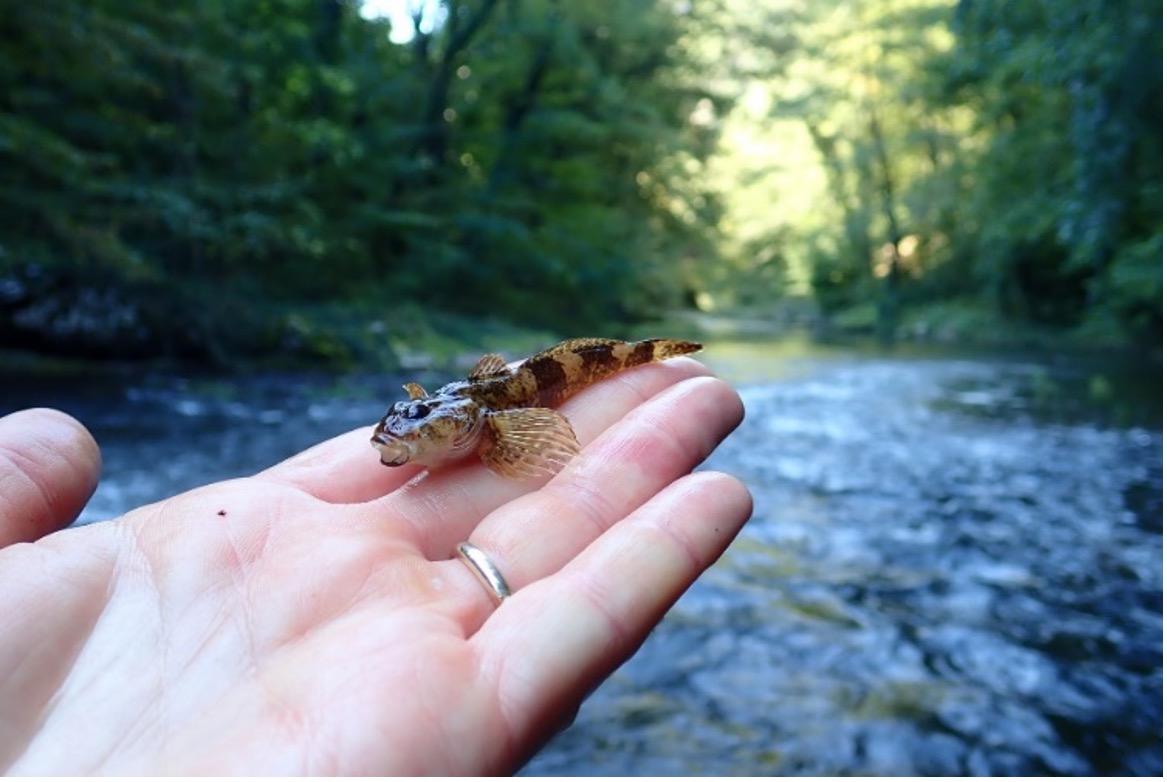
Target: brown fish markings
[504,414]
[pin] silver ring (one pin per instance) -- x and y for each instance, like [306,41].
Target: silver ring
[484,570]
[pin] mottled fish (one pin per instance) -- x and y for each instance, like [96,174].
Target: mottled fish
[504,415]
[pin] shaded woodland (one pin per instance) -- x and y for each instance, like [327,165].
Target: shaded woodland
[238,178]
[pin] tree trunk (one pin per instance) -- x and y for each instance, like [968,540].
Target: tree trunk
[889,301]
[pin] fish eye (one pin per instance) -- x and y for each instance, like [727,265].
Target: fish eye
[417,411]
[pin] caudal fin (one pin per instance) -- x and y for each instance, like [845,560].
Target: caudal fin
[669,348]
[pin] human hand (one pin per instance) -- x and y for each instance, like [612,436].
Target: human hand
[309,619]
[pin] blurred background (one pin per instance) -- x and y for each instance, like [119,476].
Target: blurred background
[227,180]
[922,237]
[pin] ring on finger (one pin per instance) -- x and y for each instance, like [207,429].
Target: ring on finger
[484,570]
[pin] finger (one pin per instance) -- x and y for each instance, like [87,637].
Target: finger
[49,465]
[447,504]
[665,438]
[344,469]
[551,644]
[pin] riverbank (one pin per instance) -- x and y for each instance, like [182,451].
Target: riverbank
[363,337]
[1096,380]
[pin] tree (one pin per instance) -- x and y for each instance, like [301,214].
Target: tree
[858,85]
[179,164]
[1070,196]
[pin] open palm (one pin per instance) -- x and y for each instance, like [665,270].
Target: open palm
[309,619]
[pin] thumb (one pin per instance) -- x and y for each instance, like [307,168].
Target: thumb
[49,465]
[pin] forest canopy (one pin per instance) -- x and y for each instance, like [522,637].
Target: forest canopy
[203,179]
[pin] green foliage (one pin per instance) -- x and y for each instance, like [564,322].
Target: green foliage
[217,179]
[529,160]
[855,82]
[1069,196]
[1004,150]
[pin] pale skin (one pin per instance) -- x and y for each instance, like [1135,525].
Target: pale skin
[309,619]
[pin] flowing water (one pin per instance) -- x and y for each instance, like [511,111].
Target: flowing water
[954,564]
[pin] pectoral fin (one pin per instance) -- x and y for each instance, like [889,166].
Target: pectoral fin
[526,442]
[488,366]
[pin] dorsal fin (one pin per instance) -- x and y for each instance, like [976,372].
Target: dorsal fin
[488,366]
[415,391]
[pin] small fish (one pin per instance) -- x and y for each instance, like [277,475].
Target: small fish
[504,415]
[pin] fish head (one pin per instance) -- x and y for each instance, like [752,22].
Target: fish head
[428,431]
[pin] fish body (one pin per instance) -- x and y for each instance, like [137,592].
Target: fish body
[504,414]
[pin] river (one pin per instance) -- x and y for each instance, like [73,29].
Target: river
[954,565]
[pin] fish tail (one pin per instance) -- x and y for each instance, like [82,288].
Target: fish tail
[668,348]
[561,371]
[603,357]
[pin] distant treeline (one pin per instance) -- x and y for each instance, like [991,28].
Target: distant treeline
[1003,153]
[192,178]
[176,173]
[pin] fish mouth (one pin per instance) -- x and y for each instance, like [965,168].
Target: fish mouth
[394,452]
